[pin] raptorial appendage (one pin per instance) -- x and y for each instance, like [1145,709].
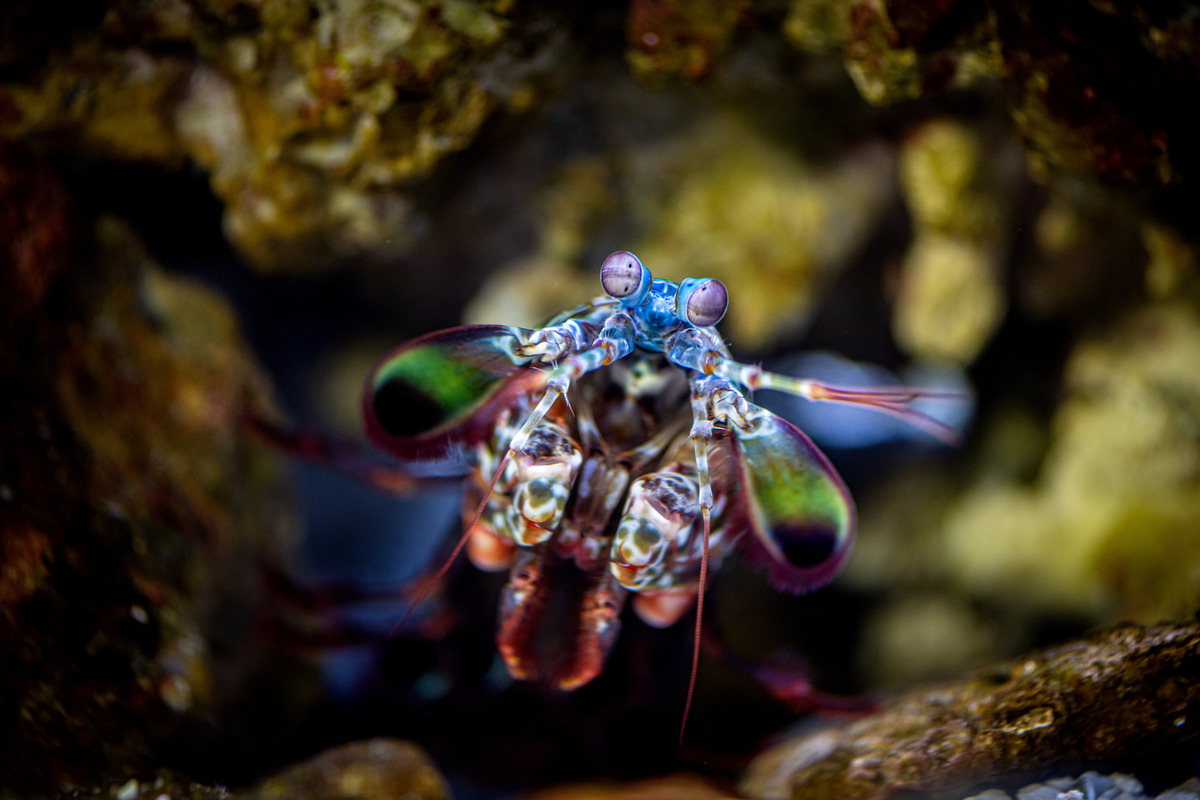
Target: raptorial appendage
[614,451]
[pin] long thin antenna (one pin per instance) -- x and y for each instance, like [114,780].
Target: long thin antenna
[895,401]
[687,705]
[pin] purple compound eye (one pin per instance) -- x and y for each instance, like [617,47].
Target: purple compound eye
[702,301]
[624,277]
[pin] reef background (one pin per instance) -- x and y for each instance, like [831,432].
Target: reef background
[210,206]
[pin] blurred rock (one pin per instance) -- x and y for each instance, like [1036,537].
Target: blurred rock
[163,785]
[1098,105]
[1171,261]
[1093,785]
[900,51]
[732,205]
[950,302]
[311,120]
[1122,694]
[132,510]
[35,217]
[684,787]
[1110,528]
[960,189]
[915,637]
[669,38]
[372,770]
[817,26]
[757,217]
[1087,261]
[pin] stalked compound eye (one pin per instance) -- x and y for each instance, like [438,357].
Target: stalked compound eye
[702,301]
[624,277]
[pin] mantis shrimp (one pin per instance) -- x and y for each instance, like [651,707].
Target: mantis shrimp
[617,441]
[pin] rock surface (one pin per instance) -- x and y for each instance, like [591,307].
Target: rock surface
[1122,695]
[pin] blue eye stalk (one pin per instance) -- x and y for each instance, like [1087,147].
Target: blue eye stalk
[700,302]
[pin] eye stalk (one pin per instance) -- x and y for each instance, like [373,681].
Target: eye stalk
[702,301]
[624,277]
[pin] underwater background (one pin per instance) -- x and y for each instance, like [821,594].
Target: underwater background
[210,206]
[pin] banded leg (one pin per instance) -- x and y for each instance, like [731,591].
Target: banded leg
[615,341]
[527,503]
[801,516]
[524,607]
[652,546]
[709,402]
[690,349]
[599,623]
[522,604]
[546,469]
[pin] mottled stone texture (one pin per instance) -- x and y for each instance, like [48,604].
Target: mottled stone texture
[311,119]
[1130,692]
[371,770]
[132,503]
[1094,88]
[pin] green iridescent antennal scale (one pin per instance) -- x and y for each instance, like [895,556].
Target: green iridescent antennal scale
[443,389]
[802,515]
